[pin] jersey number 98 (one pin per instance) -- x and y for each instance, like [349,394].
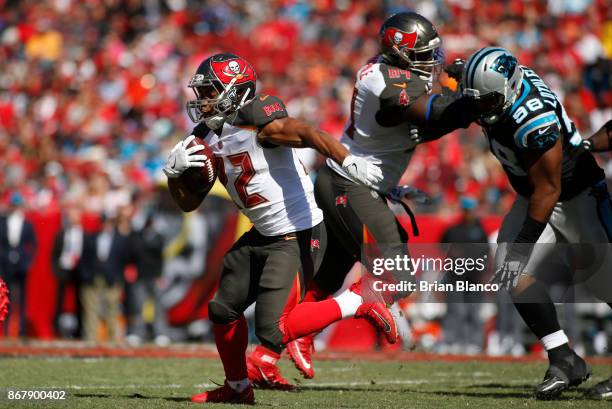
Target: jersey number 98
[521,113]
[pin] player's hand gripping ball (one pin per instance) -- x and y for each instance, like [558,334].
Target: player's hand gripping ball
[201,179]
[194,162]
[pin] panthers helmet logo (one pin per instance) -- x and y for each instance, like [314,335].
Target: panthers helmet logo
[505,64]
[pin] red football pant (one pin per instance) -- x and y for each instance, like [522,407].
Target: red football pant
[232,340]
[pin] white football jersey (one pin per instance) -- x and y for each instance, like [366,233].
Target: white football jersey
[269,184]
[378,86]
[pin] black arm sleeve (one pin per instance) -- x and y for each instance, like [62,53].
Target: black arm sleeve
[445,113]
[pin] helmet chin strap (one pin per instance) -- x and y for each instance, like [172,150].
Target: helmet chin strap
[216,121]
[424,75]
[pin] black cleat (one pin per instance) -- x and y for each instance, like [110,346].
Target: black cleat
[603,390]
[570,371]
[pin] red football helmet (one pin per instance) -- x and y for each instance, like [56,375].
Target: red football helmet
[222,84]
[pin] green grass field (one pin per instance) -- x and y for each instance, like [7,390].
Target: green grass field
[168,383]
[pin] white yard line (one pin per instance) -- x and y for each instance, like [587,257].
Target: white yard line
[211,385]
[312,385]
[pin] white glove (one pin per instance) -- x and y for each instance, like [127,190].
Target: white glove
[182,158]
[508,274]
[362,170]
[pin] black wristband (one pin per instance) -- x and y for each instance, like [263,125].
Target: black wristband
[531,231]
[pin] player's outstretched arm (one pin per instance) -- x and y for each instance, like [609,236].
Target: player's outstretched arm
[434,115]
[600,141]
[296,133]
[449,111]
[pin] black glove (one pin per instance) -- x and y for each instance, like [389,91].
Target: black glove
[455,70]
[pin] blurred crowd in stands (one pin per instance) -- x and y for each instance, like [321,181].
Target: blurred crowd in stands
[92,92]
[92,97]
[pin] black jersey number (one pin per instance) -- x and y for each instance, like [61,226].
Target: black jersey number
[507,158]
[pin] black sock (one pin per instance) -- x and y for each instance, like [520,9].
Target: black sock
[537,310]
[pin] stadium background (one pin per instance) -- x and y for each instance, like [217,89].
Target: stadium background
[92,96]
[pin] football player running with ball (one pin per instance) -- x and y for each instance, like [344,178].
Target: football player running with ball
[252,139]
[562,196]
[393,92]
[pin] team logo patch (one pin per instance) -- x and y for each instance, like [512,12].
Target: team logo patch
[315,244]
[404,99]
[341,200]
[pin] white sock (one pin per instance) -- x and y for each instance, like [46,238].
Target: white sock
[554,340]
[348,302]
[239,386]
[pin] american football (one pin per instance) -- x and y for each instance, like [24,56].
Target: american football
[201,179]
[368,204]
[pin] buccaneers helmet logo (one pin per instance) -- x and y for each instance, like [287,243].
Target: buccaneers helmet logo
[398,37]
[232,69]
[393,36]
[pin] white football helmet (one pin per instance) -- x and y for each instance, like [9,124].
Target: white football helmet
[492,70]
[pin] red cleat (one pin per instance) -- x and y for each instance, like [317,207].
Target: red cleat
[380,317]
[300,351]
[225,394]
[265,375]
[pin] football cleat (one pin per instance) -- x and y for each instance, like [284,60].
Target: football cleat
[603,390]
[300,351]
[381,318]
[560,376]
[265,375]
[225,394]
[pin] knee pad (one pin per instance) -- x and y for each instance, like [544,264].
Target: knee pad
[220,313]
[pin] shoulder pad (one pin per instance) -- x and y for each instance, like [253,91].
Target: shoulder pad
[401,87]
[539,132]
[262,110]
